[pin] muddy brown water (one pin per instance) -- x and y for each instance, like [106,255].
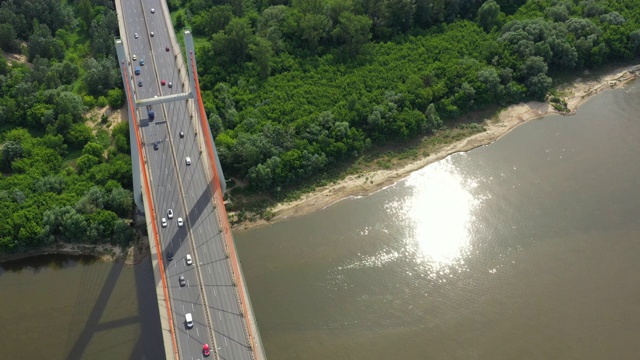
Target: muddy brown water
[528,248]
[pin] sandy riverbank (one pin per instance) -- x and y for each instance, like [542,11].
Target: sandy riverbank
[575,94]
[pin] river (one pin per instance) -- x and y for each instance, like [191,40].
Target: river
[62,307]
[527,248]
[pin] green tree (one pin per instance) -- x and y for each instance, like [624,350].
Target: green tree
[233,43]
[488,15]
[93,149]
[79,135]
[115,98]
[261,52]
[8,37]
[43,44]
[50,183]
[433,119]
[99,75]
[352,33]
[538,86]
[68,103]
[122,233]
[85,10]
[86,162]
[120,201]
[11,150]
[314,30]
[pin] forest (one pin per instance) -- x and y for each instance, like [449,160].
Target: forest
[62,181]
[292,89]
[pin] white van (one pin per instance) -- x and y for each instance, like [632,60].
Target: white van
[189,320]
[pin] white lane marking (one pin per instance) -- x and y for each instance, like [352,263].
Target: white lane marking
[225,341]
[214,292]
[187,283]
[219,316]
[197,332]
[192,308]
[209,268]
[182,307]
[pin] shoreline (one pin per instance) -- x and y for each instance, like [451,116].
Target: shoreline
[131,255]
[575,94]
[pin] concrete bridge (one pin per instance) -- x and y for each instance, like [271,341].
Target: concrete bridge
[179,186]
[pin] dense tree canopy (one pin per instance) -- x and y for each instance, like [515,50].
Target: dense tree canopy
[60,181]
[293,86]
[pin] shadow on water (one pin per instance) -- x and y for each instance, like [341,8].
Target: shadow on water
[92,325]
[91,319]
[40,262]
[149,344]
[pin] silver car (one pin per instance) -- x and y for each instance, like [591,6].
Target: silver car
[187,160]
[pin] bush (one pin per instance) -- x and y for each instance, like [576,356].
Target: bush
[115,98]
[102,101]
[89,101]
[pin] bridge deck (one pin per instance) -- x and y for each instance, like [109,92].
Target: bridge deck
[214,291]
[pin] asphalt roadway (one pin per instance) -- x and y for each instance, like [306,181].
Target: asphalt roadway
[187,190]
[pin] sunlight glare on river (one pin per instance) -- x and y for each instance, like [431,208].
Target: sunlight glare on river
[438,215]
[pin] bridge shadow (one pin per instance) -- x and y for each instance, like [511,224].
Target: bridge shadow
[200,208]
[149,343]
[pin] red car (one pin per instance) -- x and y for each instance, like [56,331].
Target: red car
[166,49]
[163,83]
[205,350]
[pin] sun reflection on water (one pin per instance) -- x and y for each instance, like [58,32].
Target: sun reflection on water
[436,218]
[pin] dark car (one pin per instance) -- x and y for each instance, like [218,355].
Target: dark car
[141,62]
[170,84]
[181,134]
[155,146]
[166,49]
[169,255]
[140,83]
[182,281]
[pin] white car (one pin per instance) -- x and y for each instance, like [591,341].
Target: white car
[170,214]
[135,35]
[164,222]
[180,222]
[152,34]
[188,160]
[153,11]
[134,58]
[189,261]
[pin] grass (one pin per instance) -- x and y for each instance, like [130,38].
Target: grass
[103,137]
